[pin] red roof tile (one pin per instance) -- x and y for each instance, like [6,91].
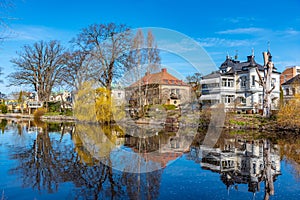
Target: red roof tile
[162,78]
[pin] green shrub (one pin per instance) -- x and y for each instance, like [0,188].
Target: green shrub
[3,108]
[54,106]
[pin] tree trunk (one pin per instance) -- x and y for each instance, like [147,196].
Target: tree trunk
[269,185]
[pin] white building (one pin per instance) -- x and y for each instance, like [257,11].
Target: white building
[236,85]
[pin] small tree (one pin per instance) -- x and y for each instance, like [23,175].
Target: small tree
[194,82]
[21,100]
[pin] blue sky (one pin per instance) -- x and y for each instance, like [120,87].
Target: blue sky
[218,27]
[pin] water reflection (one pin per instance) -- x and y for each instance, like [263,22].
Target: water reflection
[112,161]
[241,161]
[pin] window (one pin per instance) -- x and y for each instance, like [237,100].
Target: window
[298,71]
[287,92]
[228,99]
[273,82]
[253,80]
[243,81]
[294,91]
[260,98]
[226,82]
[119,94]
[241,100]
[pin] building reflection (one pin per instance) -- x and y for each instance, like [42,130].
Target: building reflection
[241,161]
[126,161]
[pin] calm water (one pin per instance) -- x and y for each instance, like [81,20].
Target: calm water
[80,161]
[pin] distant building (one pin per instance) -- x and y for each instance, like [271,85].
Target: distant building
[289,73]
[157,88]
[65,98]
[290,88]
[236,85]
[118,95]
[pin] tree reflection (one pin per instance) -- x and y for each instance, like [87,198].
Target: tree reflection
[86,162]
[290,150]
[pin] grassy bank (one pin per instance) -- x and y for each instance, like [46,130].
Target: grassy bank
[256,121]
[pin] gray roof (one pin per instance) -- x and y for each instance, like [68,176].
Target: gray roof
[236,66]
[294,80]
[214,74]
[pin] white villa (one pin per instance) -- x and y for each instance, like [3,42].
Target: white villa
[236,85]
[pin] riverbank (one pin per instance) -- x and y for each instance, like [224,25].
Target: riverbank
[256,122]
[45,117]
[232,121]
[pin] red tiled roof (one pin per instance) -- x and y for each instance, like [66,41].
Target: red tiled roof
[162,78]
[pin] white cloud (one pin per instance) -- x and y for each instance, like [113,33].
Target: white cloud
[250,30]
[236,20]
[220,42]
[289,33]
[181,46]
[36,33]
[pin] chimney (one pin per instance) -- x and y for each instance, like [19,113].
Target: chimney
[250,58]
[164,70]
[147,73]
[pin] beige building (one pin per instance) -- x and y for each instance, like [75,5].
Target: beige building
[291,87]
[157,88]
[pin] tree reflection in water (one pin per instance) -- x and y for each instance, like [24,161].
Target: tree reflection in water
[49,163]
[87,155]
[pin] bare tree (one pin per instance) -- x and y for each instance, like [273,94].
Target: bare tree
[39,66]
[76,69]
[194,82]
[143,53]
[143,58]
[153,58]
[266,83]
[106,46]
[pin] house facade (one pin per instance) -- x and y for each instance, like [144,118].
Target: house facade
[291,88]
[236,84]
[157,88]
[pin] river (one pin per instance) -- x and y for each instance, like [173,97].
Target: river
[57,160]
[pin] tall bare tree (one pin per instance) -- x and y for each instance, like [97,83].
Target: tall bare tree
[143,58]
[106,46]
[39,66]
[266,83]
[143,53]
[76,69]
[153,58]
